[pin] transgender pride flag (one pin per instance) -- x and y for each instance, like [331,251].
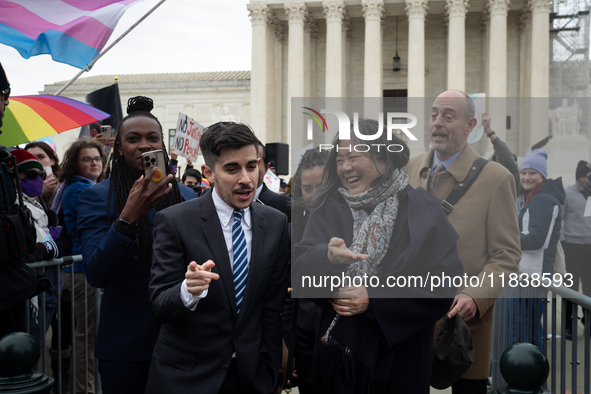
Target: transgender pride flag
[71,31]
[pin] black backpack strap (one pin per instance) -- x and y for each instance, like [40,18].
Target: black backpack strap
[462,186]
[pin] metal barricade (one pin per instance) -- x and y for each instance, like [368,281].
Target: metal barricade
[43,320]
[527,314]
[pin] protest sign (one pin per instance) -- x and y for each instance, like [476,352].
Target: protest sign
[479,107]
[187,137]
[272,181]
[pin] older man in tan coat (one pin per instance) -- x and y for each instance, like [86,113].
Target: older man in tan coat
[485,217]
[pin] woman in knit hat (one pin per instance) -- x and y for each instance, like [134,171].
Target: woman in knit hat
[31,175]
[540,221]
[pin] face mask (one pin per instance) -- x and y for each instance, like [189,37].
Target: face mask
[32,188]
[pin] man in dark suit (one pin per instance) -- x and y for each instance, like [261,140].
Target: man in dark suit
[218,279]
[266,196]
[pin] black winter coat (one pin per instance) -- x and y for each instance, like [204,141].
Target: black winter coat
[389,347]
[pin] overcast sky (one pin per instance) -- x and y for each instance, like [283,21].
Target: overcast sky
[180,36]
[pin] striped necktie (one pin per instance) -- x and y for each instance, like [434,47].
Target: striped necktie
[240,268]
[439,168]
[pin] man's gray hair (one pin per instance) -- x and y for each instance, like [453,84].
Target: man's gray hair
[470,110]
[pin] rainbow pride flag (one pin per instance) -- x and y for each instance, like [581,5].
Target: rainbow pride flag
[71,31]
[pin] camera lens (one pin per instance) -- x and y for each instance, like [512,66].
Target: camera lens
[153,160]
[146,158]
[148,164]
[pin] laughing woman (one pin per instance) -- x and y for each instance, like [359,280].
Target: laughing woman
[369,221]
[115,228]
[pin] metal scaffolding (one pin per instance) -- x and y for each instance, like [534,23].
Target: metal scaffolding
[569,40]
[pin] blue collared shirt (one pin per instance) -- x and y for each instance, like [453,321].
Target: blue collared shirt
[446,163]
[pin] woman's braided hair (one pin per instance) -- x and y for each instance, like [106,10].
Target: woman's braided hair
[310,159]
[122,177]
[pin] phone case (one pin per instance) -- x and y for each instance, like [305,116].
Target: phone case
[107,131]
[151,159]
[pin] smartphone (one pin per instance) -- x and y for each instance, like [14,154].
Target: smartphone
[107,131]
[151,159]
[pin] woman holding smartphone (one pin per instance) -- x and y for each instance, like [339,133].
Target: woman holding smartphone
[115,229]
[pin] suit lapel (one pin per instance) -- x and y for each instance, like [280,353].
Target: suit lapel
[256,258]
[212,229]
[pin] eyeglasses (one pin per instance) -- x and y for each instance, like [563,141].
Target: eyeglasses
[33,174]
[6,93]
[89,160]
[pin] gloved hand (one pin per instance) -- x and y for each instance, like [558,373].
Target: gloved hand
[47,250]
[587,185]
[55,232]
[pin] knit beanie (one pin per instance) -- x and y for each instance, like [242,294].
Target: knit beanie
[536,160]
[582,169]
[3,80]
[25,160]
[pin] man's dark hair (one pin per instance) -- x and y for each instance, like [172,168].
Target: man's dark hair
[194,173]
[4,84]
[265,158]
[225,135]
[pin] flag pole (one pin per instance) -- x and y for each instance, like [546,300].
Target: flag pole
[89,65]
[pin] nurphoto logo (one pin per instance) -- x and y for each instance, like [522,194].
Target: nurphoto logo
[345,130]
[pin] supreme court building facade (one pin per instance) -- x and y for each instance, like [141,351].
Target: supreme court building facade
[345,48]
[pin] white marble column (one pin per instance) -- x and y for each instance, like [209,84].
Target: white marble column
[456,44]
[485,30]
[259,13]
[333,13]
[497,66]
[310,40]
[524,80]
[540,52]
[524,52]
[540,69]
[346,41]
[416,10]
[372,72]
[275,39]
[307,56]
[296,13]
[497,59]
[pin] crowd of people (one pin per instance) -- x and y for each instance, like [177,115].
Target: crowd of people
[195,274]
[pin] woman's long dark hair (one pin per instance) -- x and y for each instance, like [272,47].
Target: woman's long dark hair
[311,158]
[392,160]
[69,167]
[122,177]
